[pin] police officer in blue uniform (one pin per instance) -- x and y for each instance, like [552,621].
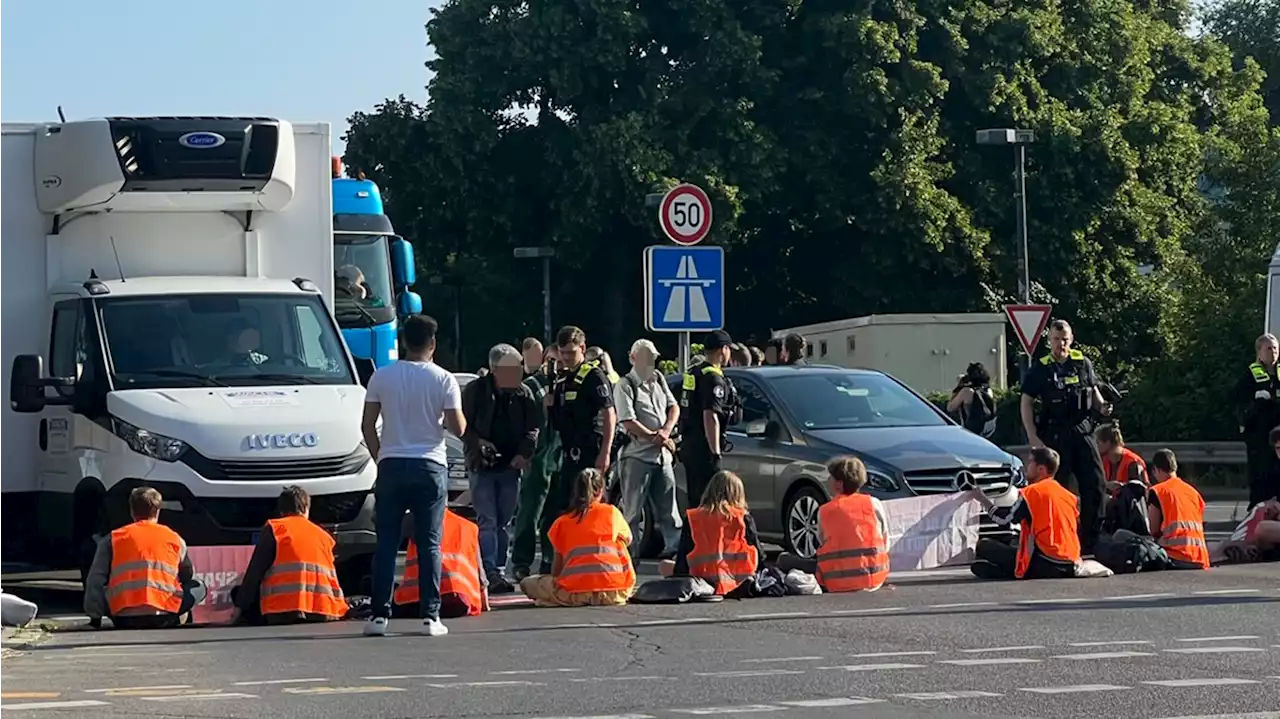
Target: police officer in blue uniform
[1066,387]
[1257,401]
[707,407]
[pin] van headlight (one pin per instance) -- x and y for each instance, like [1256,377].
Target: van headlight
[150,444]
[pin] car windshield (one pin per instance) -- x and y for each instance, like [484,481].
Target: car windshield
[839,400]
[216,340]
[362,279]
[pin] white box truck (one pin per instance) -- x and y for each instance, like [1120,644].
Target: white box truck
[174,276]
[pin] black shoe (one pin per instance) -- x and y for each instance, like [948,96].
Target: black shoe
[520,573]
[498,584]
[544,569]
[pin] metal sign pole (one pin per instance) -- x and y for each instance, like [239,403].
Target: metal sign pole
[546,299]
[684,340]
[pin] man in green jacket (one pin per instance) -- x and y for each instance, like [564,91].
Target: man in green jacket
[536,481]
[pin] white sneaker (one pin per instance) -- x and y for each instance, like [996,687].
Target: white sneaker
[376,627]
[434,628]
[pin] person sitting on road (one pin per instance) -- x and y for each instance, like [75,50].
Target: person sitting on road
[141,576]
[1049,543]
[1176,515]
[464,588]
[291,576]
[719,543]
[853,552]
[1127,483]
[1255,539]
[592,563]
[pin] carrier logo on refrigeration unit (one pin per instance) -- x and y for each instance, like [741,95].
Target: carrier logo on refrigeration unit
[202,140]
[292,440]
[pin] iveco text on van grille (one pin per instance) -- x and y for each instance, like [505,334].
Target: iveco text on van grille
[282,441]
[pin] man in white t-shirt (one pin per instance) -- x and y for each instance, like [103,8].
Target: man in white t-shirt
[417,400]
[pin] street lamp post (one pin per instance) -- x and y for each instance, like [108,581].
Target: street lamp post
[545,253]
[1019,139]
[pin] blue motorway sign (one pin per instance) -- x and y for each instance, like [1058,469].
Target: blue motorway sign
[684,288]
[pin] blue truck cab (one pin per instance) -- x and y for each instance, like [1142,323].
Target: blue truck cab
[373,272]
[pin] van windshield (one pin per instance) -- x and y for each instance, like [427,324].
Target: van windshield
[217,340]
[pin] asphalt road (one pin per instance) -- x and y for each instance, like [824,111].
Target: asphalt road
[942,645]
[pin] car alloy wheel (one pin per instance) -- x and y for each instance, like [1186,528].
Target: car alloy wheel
[802,523]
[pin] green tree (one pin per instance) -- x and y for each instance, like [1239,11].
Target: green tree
[1251,28]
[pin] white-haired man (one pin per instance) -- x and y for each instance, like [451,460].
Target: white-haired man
[648,411]
[503,422]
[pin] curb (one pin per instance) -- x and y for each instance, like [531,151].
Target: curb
[15,639]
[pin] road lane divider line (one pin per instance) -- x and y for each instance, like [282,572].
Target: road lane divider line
[1138,597]
[390,677]
[962,605]
[163,687]
[874,667]
[200,697]
[741,709]
[608,716]
[622,679]
[941,696]
[266,682]
[774,615]
[1062,600]
[873,655]
[991,661]
[78,704]
[1216,592]
[1074,689]
[781,659]
[482,685]
[1104,655]
[1238,638]
[1215,650]
[329,691]
[831,702]
[755,673]
[516,672]
[1250,715]
[30,695]
[1024,648]
[1200,682]
[1117,643]
[869,610]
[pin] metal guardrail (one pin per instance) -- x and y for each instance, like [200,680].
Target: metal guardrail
[1232,453]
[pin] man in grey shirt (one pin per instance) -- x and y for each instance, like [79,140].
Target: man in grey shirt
[648,411]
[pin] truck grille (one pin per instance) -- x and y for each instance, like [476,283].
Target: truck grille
[253,513]
[275,470]
[993,480]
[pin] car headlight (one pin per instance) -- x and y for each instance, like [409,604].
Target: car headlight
[880,481]
[1019,474]
[150,444]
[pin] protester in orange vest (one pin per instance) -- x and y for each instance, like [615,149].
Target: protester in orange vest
[592,565]
[291,576]
[141,576]
[1049,543]
[1120,465]
[1177,515]
[719,543]
[853,554]
[464,588]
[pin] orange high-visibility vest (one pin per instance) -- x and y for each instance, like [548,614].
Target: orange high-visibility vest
[302,578]
[592,557]
[1182,530]
[1054,526]
[144,568]
[721,554]
[1119,471]
[854,555]
[459,565]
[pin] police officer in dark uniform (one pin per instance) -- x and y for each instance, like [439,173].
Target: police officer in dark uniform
[1065,384]
[581,413]
[706,409]
[1257,399]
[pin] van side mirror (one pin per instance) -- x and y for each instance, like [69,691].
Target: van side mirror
[26,384]
[403,270]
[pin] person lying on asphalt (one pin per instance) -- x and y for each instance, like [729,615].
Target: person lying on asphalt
[592,565]
[141,576]
[1176,514]
[464,586]
[719,543]
[1049,543]
[291,576]
[853,555]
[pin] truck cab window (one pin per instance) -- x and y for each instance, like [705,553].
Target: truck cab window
[67,350]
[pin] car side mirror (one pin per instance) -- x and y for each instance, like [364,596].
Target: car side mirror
[26,384]
[757,428]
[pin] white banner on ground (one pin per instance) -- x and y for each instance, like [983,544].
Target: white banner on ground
[928,532]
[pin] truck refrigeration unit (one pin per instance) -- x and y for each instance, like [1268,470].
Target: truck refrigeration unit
[167,283]
[374,270]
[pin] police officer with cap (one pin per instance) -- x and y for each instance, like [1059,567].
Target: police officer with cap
[1257,400]
[706,408]
[1065,384]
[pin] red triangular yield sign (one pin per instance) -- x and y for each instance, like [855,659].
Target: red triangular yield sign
[1029,322]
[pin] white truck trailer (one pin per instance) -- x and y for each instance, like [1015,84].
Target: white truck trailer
[173,274]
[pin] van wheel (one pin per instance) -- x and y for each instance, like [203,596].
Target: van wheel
[800,518]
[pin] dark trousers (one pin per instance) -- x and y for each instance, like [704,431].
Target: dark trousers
[699,467]
[420,487]
[1261,458]
[252,614]
[193,592]
[997,560]
[1080,459]
[534,486]
[451,607]
[558,495]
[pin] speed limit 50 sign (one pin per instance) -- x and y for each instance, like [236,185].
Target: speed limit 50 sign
[685,214]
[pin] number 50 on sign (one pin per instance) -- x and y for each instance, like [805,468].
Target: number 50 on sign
[685,214]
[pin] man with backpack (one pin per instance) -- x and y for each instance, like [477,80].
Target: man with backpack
[972,401]
[648,411]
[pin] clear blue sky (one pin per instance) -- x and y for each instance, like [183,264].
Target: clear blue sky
[298,60]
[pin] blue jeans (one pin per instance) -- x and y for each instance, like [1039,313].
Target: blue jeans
[493,497]
[420,487]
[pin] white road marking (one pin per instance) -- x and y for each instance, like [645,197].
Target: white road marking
[1024,648]
[514,672]
[1067,600]
[832,702]
[758,673]
[1212,592]
[874,667]
[1251,715]
[963,694]
[659,622]
[1240,637]
[609,716]
[780,659]
[1135,597]
[77,656]
[328,691]
[992,660]
[622,679]
[458,685]
[961,605]
[200,697]
[389,677]
[81,704]
[929,573]
[872,610]
[872,655]
[1215,650]
[1119,643]
[1201,682]
[774,615]
[583,625]
[1105,655]
[137,689]
[744,709]
[265,682]
[1074,689]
